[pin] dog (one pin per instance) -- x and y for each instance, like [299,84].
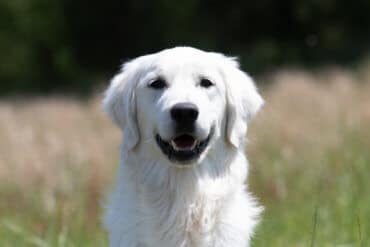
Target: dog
[183,113]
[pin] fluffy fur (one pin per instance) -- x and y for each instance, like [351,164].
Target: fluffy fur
[157,202]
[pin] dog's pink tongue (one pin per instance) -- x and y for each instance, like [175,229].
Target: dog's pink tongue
[184,142]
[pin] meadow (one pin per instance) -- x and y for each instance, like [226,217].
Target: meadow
[309,150]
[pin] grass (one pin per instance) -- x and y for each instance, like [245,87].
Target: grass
[308,149]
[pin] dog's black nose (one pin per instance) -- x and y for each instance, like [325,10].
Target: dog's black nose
[184,113]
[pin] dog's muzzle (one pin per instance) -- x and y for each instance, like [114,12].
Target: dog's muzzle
[184,148]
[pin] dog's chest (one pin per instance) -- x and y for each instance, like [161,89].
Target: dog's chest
[201,216]
[186,224]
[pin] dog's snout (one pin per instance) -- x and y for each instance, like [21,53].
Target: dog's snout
[184,113]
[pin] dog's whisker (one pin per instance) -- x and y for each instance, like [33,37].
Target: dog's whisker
[148,141]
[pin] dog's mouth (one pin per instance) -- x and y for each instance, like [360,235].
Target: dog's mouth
[183,148]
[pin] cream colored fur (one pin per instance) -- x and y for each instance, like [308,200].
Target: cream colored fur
[159,203]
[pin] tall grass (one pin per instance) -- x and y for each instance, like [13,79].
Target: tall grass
[308,149]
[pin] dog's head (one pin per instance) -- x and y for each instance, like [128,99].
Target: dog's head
[182,101]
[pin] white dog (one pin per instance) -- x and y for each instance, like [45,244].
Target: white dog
[183,114]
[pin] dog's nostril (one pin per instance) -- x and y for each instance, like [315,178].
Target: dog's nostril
[184,112]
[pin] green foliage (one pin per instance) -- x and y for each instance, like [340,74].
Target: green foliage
[35,55]
[46,46]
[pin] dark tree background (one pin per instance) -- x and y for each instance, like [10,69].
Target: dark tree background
[70,45]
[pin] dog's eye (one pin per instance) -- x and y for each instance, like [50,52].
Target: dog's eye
[158,83]
[206,83]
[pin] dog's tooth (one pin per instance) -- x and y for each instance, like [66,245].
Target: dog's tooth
[194,145]
[173,144]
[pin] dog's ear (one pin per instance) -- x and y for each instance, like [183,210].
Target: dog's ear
[120,104]
[243,102]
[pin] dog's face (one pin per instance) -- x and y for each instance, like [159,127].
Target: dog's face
[182,101]
[182,106]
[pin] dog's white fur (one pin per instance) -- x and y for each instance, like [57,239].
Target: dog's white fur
[160,203]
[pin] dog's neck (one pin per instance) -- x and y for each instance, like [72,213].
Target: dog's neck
[188,198]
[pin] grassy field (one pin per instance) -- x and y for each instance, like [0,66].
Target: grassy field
[309,151]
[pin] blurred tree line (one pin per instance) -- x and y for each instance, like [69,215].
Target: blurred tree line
[70,45]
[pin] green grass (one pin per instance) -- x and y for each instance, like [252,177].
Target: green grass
[24,221]
[325,203]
